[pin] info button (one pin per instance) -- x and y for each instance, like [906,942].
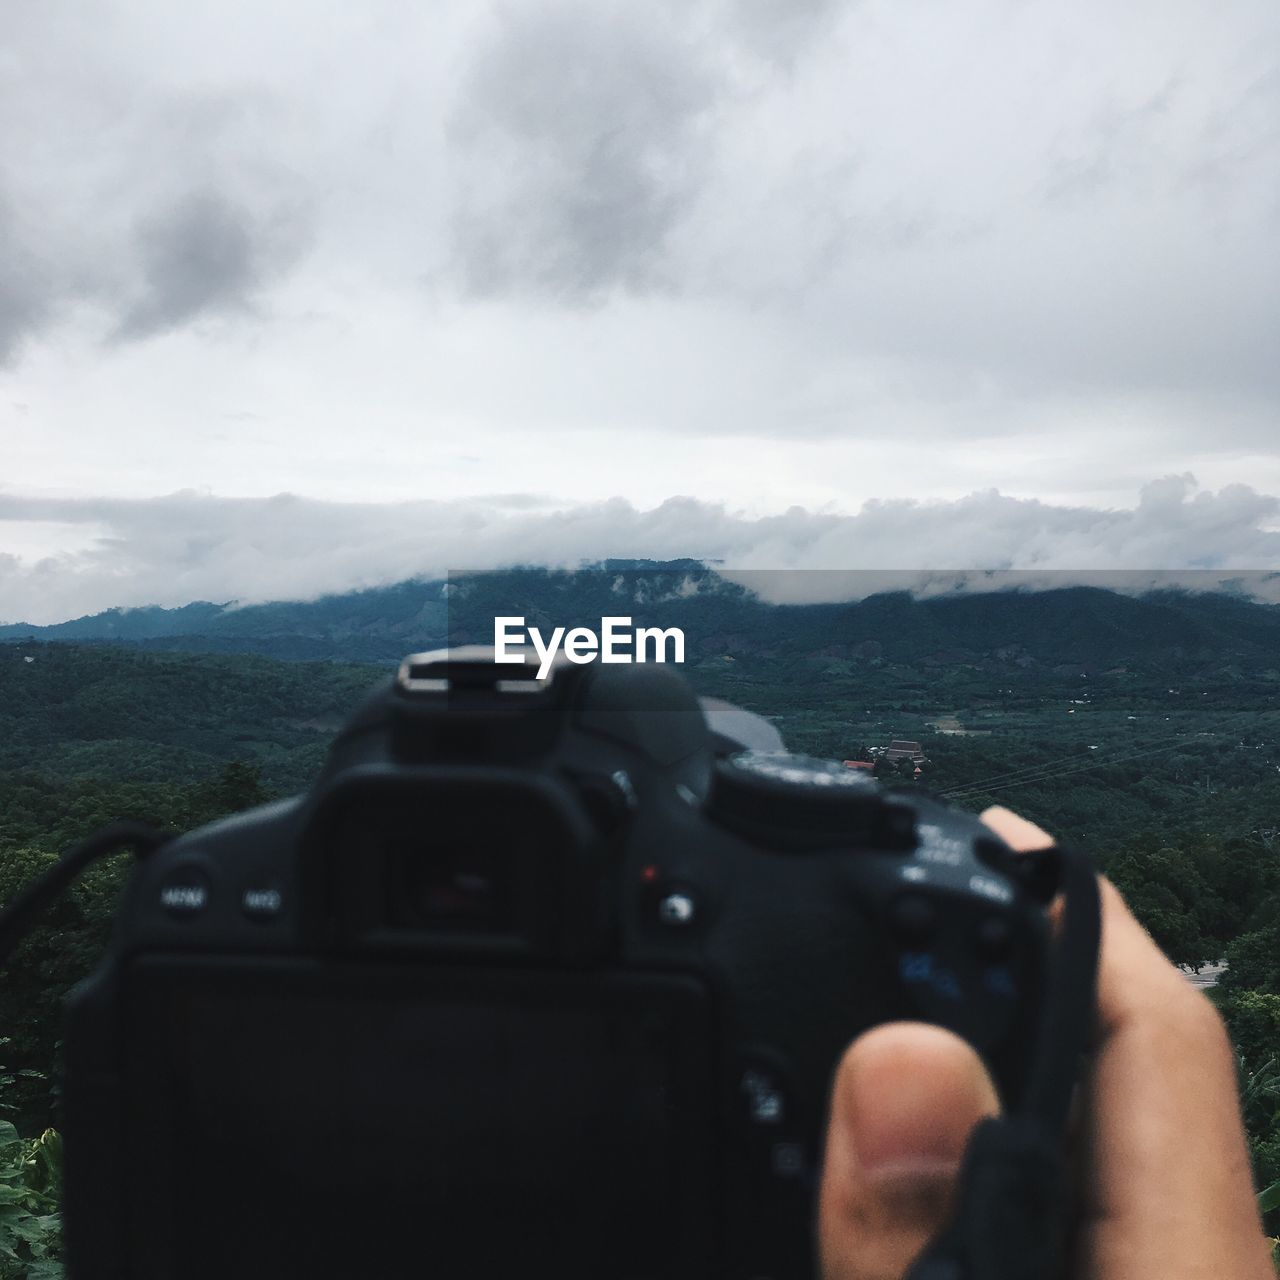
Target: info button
[262,902]
[185,892]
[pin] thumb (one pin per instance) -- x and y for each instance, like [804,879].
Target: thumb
[905,1099]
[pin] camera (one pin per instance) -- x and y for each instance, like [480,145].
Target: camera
[543,976]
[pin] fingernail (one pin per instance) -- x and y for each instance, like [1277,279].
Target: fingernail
[890,1131]
[911,1112]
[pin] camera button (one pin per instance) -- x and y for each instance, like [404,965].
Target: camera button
[786,1159]
[185,892]
[609,798]
[914,919]
[261,902]
[677,910]
[764,1099]
[994,939]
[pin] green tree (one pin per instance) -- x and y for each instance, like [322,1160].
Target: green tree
[1167,893]
[1253,961]
[30,1194]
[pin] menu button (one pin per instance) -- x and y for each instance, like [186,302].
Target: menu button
[186,892]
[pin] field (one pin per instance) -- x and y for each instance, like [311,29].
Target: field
[1172,783]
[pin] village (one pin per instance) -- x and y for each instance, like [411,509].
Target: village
[902,758]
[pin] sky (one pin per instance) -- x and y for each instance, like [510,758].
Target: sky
[299,297]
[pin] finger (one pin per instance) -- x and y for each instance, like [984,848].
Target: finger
[1171,1190]
[905,1099]
[1015,830]
[1022,837]
[1168,1188]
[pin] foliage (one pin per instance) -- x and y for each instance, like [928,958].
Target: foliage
[30,1191]
[1253,1019]
[10,1079]
[1253,960]
[1269,1198]
[1166,765]
[69,939]
[113,715]
[1168,894]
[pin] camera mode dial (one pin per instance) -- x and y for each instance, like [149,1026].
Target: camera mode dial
[797,802]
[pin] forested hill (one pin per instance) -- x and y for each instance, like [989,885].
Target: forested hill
[1086,628]
[108,715]
[1145,730]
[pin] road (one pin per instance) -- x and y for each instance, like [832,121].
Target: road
[1207,977]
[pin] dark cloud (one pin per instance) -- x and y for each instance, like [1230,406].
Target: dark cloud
[898,226]
[26,304]
[584,131]
[191,546]
[577,129]
[140,196]
[1119,144]
[203,256]
[780,31]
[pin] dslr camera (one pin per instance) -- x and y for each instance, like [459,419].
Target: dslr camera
[542,977]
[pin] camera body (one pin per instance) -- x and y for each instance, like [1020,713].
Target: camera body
[550,974]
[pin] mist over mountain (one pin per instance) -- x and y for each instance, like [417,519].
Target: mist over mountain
[1090,628]
[66,558]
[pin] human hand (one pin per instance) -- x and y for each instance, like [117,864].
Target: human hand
[1166,1186]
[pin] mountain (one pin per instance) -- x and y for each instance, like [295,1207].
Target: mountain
[1084,629]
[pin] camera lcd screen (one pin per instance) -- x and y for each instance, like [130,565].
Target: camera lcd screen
[378,1123]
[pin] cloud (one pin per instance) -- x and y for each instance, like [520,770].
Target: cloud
[577,133]
[586,131]
[191,546]
[202,256]
[135,199]
[598,230]
[781,31]
[24,291]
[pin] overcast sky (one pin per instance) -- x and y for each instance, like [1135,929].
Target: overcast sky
[478,282]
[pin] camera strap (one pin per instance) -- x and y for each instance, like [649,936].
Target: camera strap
[1011,1209]
[19,914]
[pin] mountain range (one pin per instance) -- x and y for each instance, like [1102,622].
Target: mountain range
[1086,627]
